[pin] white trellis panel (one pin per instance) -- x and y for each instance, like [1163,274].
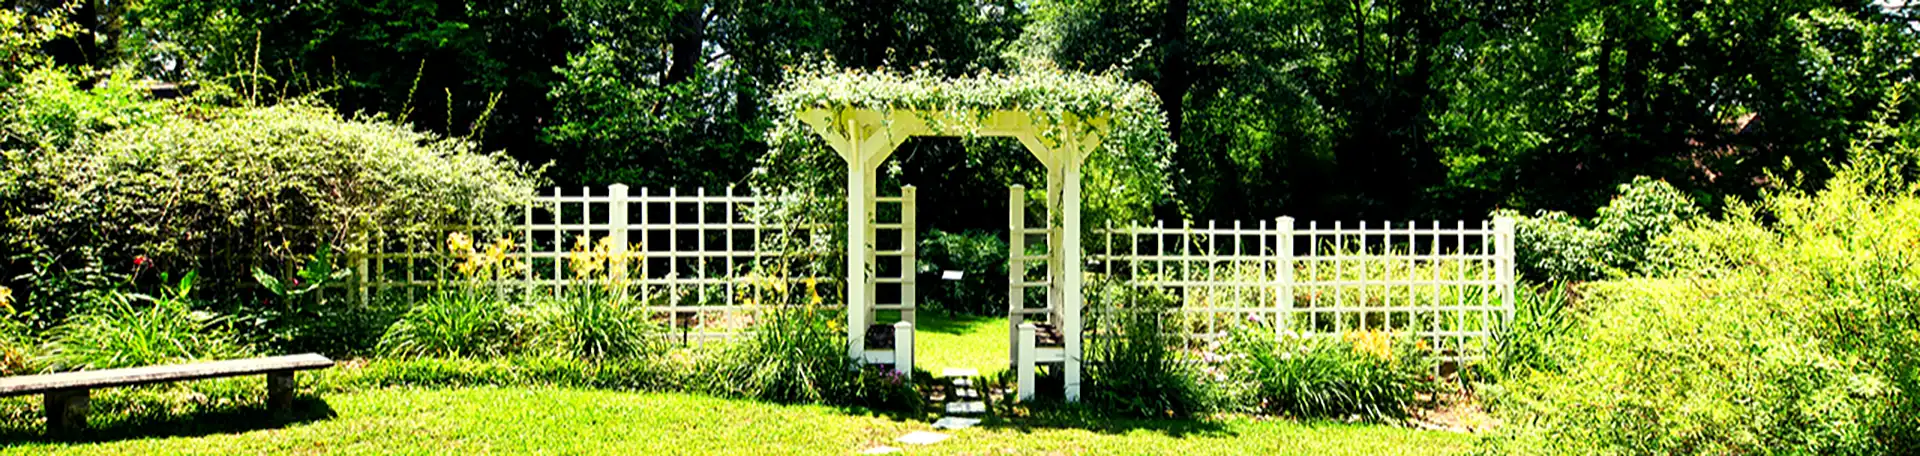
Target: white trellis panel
[698,260]
[1449,284]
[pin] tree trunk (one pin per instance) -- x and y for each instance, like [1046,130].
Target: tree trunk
[688,40]
[1176,66]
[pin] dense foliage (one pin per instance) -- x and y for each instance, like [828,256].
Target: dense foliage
[981,259]
[1784,326]
[1317,109]
[102,184]
[1556,246]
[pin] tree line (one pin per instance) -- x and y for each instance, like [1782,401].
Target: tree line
[1327,109]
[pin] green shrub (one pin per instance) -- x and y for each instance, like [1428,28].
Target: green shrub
[1554,246]
[1787,326]
[216,189]
[131,330]
[1372,375]
[1134,367]
[451,324]
[981,257]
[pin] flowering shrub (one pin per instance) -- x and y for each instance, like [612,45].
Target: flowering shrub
[599,317]
[468,317]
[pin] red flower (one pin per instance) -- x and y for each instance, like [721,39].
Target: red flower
[140,261]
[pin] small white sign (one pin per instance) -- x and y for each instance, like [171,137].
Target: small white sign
[951,275]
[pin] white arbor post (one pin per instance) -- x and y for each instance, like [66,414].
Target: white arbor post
[857,218]
[1016,265]
[1071,268]
[909,253]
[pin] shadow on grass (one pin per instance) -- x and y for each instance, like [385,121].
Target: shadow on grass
[958,325]
[1050,411]
[162,424]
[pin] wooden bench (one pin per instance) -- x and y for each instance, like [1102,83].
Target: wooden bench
[67,392]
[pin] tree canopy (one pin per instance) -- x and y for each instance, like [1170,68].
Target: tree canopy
[1316,108]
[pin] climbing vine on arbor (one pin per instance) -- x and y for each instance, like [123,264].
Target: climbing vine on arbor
[1125,179]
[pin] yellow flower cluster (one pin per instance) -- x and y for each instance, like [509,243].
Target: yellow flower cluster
[491,261]
[1373,342]
[587,259]
[6,299]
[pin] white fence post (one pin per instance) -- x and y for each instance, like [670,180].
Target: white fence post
[1503,232]
[1283,310]
[617,224]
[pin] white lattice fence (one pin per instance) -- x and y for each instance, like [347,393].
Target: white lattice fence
[1449,285]
[698,261]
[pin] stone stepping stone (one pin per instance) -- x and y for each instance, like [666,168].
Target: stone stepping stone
[922,438]
[954,422]
[966,408]
[966,393]
[883,449]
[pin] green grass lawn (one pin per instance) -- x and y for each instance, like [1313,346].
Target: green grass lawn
[224,417]
[960,341]
[569,421]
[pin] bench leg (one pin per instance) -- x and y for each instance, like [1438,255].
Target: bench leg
[66,411]
[280,392]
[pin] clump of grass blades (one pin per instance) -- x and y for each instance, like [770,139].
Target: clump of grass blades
[128,330]
[797,353]
[1135,368]
[1371,375]
[450,324]
[599,326]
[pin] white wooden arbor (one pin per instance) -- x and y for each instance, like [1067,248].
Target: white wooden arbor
[865,137]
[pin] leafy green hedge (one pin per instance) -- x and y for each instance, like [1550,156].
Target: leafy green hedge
[101,187]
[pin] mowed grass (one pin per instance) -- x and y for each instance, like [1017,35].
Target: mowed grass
[571,421]
[960,341]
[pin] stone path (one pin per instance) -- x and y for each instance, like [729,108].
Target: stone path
[963,406]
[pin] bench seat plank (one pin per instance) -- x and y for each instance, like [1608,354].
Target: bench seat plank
[32,384]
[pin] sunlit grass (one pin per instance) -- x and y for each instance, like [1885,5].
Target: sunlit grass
[568,421]
[960,341]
